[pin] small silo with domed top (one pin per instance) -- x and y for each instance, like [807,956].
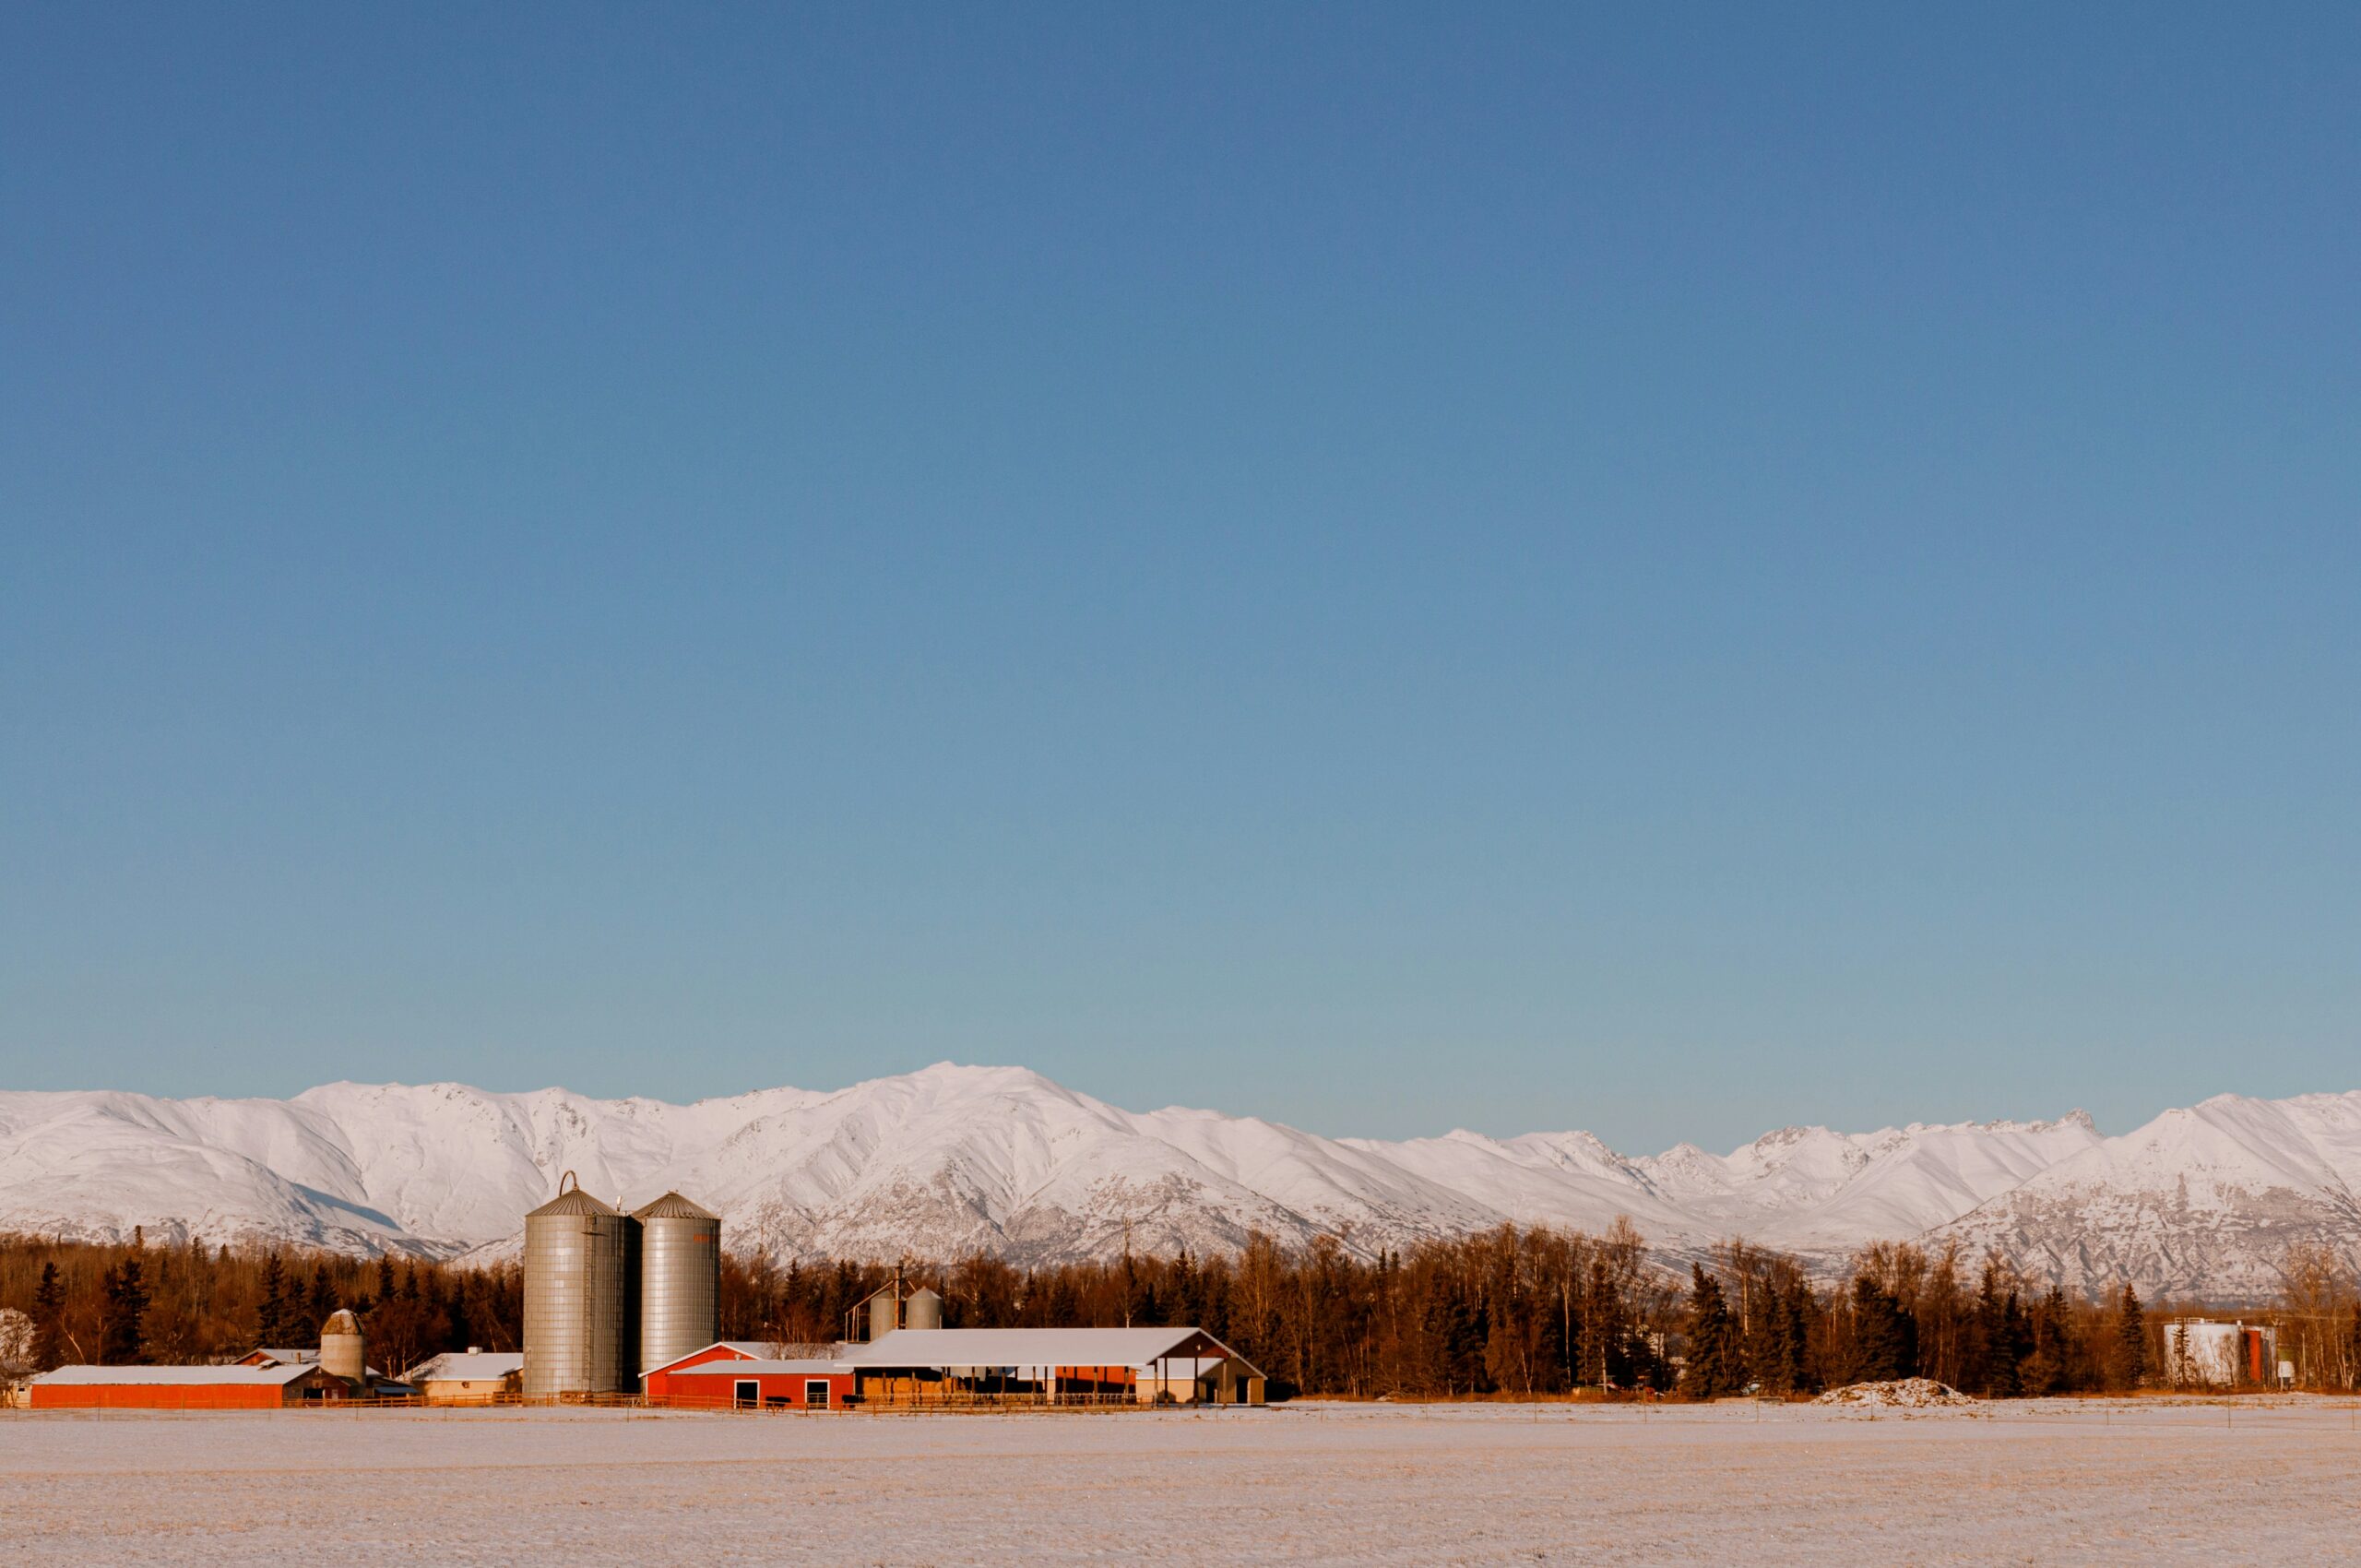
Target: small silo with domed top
[344,1351]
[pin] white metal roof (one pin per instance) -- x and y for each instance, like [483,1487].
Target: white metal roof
[1187,1366]
[1032,1348]
[758,1368]
[458,1366]
[252,1377]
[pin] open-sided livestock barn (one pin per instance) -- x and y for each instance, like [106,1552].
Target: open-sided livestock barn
[1180,1365]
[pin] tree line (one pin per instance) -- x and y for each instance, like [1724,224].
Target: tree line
[1524,1311]
[189,1302]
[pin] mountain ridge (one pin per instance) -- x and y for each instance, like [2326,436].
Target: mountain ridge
[950,1159]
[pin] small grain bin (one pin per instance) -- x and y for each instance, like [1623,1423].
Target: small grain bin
[884,1313]
[923,1309]
[680,1279]
[581,1297]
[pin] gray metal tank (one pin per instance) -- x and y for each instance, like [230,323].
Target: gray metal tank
[344,1351]
[680,1279]
[581,1297]
[923,1309]
[884,1315]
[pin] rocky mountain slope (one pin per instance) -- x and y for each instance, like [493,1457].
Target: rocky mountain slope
[952,1158]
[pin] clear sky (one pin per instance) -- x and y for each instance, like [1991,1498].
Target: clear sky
[1665,570]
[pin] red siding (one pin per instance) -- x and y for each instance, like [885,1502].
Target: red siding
[162,1396]
[715,1385]
[659,1385]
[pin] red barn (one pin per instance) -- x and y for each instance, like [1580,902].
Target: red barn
[657,1382]
[182,1388]
[730,1382]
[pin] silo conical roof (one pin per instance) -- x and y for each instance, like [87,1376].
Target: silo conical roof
[340,1320]
[672,1206]
[574,1202]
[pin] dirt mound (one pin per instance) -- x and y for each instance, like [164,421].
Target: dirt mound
[1906,1393]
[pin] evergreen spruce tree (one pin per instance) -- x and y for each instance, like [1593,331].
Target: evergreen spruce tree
[1183,1286]
[318,1309]
[1884,1341]
[458,1315]
[270,1317]
[1713,1366]
[121,1341]
[1552,1354]
[1777,1358]
[1471,1334]
[1797,1309]
[1999,1337]
[2130,1338]
[49,1319]
[2010,1347]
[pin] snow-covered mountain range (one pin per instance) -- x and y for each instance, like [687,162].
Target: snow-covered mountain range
[950,1159]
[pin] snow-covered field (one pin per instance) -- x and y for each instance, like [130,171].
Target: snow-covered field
[2038,1481]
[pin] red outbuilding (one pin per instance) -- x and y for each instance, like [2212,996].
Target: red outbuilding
[655,1382]
[741,1374]
[182,1388]
[747,1384]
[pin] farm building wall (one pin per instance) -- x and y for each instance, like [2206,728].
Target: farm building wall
[715,1386]
[658,1384]
[167,1396]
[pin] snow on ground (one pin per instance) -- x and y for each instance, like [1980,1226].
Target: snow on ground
[2045,1482]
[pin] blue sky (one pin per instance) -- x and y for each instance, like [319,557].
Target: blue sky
[1668,570]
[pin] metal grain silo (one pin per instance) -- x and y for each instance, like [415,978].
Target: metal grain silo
[581,1297]
[884,1313]
[344,1352]
[680,1279]
[923,1309]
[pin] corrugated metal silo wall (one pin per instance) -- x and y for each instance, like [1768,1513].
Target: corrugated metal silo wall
[581,1304]
[680,1273]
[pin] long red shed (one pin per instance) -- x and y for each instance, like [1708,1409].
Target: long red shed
[182,1388]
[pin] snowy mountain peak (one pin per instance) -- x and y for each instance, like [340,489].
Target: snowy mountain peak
[953,1158]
